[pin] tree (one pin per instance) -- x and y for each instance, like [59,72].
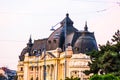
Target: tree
[104,77]
[116,36]
[96,77]
[110,62]
[72,78]
[107,59]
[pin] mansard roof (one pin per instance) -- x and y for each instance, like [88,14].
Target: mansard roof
[58,36]
[84,40]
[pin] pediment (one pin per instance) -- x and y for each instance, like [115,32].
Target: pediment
[48,55]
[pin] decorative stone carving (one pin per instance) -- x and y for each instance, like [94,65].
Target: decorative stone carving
[78,64]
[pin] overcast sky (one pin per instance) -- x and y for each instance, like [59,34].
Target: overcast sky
[21,18]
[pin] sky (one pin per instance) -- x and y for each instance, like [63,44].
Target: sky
[21,18]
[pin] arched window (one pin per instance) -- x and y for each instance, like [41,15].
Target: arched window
[36,78]
[74,73]
[77,49]
[21,69]
[39,51]
[31,78]
[34,51]
[31,68]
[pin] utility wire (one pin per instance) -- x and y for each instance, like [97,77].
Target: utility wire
[11,41]
[96,1]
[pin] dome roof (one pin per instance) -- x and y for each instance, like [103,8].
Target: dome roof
[26,49]
[67,21]
[57,38]
[84,44]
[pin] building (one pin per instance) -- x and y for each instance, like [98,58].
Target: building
[62,54]
[7,74]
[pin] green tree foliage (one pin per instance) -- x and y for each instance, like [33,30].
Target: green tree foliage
[96,77]
[107,59]
[104,77]
[72,78]
[109,77]
[116,36]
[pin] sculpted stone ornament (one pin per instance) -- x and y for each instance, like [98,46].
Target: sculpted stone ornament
[66,44]
[79,60]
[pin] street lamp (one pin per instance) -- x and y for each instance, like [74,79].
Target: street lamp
[65,30]
[65,45]
[52,29]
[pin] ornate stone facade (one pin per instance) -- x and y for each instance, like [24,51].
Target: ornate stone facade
[46,58]
[33,66]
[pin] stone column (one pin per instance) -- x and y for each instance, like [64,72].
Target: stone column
[50,72]
[42,73]
[60,72]
[47,75]
[26,66]
[63,72]
[39,73]
[34,73]
[56,71]
[29,73]
[53,72]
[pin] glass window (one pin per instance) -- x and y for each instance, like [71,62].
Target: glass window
[21,69]
[54,41]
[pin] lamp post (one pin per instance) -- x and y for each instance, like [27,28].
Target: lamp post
[65,43]
[65,33]
[52,29]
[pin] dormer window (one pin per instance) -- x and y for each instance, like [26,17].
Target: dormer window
[34,51]
[54,41]
[49,42]
[21,69]
[77,49]
[39,51]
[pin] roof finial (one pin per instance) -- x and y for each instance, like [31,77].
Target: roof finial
[85,28]
[67,15]
[29,44]
[30,40]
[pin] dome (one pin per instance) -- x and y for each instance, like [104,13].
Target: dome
[67,21]
[26,49]
[84,44]
[57,38]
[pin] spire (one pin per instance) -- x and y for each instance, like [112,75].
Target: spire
[86,28]
[30,42]
[68,21]
[67,15]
